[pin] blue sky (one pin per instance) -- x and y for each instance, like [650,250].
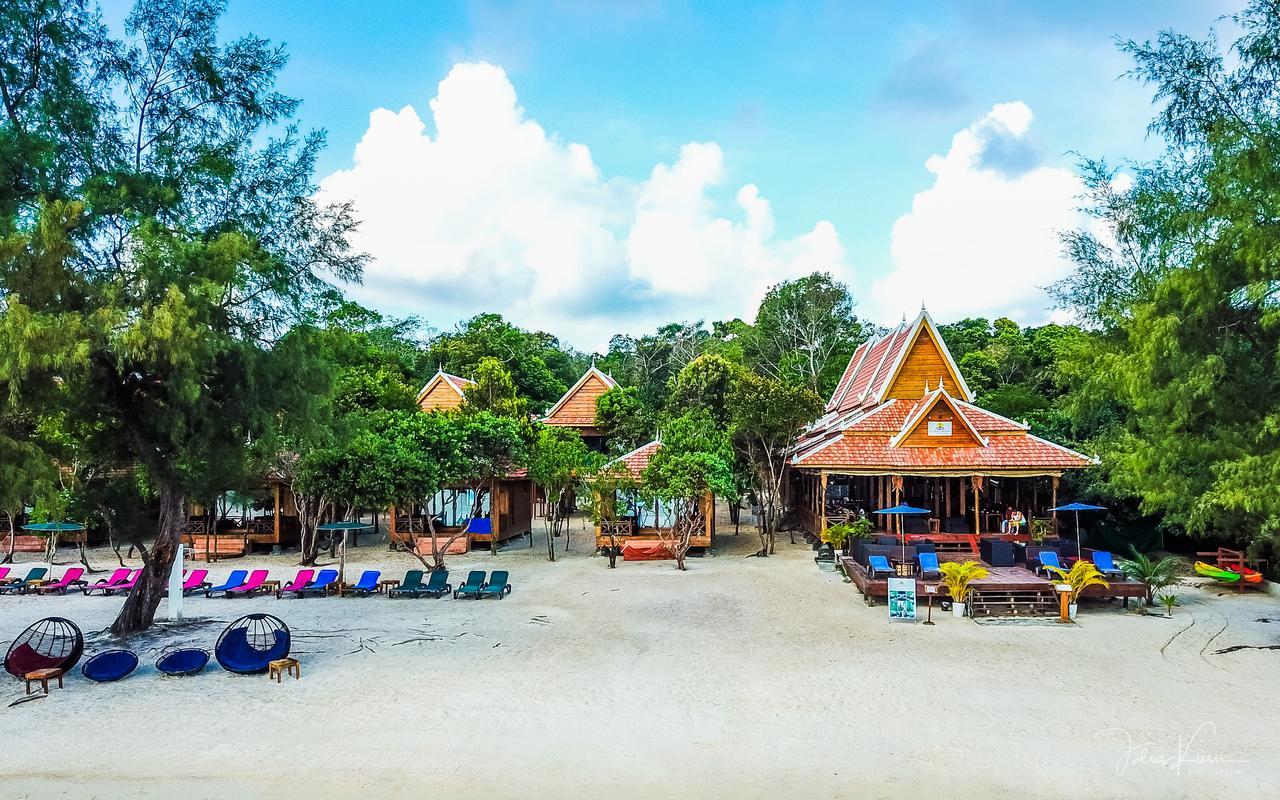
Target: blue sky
[830,110]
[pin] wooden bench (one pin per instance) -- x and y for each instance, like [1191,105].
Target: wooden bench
[282,666]
[43,676]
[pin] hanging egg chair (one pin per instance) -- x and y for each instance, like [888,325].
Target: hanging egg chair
[52,642]
[251,643]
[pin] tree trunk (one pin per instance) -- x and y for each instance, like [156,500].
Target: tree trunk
[139,610]
[13,538]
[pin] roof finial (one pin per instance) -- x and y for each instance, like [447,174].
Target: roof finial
[926,385]
[940,386]
[440,367]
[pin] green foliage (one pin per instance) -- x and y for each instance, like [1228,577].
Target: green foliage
[696,457]
[805,331]
[705,384]
[541,368]
[624,418]
[1081,576]
[494,391]
[1183,290]
[1152,573]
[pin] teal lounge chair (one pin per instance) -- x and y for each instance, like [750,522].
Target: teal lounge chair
[497,585]
[438,585]
[20,585]
[411,586]
[475,582]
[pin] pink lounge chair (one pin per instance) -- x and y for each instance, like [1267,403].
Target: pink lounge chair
[298,583]
[69,578]
[126,585]
[251,586]
[117,577]
[4,574]
[195,581]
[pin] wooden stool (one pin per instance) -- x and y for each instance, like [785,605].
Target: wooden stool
[281,666]
[44,676]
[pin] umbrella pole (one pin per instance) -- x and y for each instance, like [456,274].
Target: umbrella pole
[1079,552]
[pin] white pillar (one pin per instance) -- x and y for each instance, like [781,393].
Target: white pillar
[175,586]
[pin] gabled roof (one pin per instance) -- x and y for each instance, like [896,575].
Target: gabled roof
[924,406]
[637,459]
[457,384]
[578,419]
[875,364]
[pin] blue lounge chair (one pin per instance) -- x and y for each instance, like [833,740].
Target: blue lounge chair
[928,565]
[236,578]
[368,583]
[1048,559]
[497,585]
[879,564]
[1102,560]
[320,586]
[475,582]
[438,585]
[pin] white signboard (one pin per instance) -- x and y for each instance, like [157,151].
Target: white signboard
[939,428]
[902,599]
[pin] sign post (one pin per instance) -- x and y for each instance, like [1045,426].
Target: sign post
[1064,593]
[902,599]
[930,590]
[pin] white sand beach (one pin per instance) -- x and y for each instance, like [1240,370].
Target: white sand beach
[743,678]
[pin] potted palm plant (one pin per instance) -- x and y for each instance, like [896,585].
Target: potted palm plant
[957,577]
[1081,576]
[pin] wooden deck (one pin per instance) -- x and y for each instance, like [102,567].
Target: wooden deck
[1006,590]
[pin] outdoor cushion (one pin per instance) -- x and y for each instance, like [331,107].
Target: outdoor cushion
[182,662]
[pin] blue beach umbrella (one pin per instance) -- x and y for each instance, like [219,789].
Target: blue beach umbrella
[52,527]
[1077,508]
[899,510]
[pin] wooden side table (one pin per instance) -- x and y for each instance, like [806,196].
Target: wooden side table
[43,676]
[284,666]
[387,584]
[270,587]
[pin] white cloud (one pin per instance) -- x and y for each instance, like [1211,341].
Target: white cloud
[494,214]
[983,240]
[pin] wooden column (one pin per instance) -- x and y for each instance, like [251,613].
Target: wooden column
[822,525]
[976,482]
[1055,505]
[276,521]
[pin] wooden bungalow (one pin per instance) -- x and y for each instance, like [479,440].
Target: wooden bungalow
[504,512]
[267,521]
[901,426]
[629,520]
[443,392]
[577,408]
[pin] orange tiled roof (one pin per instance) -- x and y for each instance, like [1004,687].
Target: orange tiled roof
[1002,451]
[638,459]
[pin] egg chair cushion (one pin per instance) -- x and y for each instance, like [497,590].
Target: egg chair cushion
[53,642]
[182,662]
[111,665]
[251,643]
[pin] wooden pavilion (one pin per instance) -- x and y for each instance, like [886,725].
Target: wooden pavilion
[901,426]
[628,520]
[270,522]
[443,392]
[503,511]
[577,407]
